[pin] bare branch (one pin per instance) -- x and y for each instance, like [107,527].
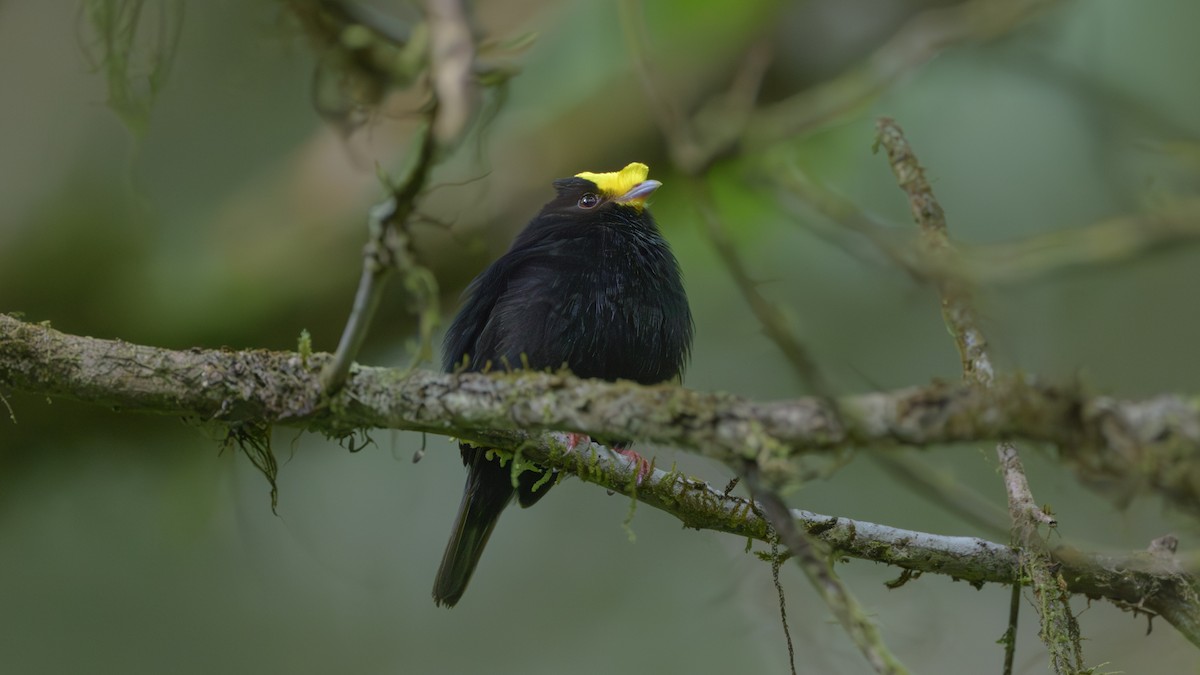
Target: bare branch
[454,99]
[691,157]
[917,41]
[1104,242]
[452,64]
[940,486]
[389,250]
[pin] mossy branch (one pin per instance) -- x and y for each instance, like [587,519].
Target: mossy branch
[513,411]
[1149,443]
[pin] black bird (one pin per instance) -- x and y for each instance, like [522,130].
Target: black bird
[589,284]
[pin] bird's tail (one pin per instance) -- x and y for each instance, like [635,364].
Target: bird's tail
[489,489]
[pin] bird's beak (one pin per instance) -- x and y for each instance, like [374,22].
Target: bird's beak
[637,195]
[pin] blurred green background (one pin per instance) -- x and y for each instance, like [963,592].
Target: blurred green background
[128,544]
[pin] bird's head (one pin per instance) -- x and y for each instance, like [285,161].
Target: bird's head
[628,188]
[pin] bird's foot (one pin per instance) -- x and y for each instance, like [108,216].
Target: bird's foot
[573,440]
[643,465]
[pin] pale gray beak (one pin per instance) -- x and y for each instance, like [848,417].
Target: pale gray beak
[638,193]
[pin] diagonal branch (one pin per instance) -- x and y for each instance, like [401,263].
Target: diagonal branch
[1102,243]
[454,98]
[913,45]
[1060,630]
[691,155]
[817,564]
[389,250]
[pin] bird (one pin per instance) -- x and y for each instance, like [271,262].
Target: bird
[590,285]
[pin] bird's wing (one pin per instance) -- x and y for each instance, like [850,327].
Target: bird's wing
[479,299]
[507,313]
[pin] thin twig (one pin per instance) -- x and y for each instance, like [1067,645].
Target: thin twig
[1105,242]
[939,486]
[914,44]
[778,325]
[362,56]
[674,125]
[1010,634]
[791,182]
[777,560]
[454,101]
[388,249]
[818,567]
[692,158]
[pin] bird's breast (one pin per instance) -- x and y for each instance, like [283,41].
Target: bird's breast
[623,321]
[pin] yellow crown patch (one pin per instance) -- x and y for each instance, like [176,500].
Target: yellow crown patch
[616,183]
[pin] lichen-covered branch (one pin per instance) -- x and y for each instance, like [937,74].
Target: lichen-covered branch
[1152,581]
[1060,630]
[955,294]
[510,411]
[1152,441]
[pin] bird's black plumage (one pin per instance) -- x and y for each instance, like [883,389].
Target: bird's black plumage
[589,284]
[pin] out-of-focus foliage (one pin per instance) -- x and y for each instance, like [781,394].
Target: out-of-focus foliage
[134,44]
[127,544]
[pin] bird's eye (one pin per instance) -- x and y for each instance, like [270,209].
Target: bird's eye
[588,201]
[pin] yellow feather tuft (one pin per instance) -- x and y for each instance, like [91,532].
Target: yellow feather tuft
[616,183]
